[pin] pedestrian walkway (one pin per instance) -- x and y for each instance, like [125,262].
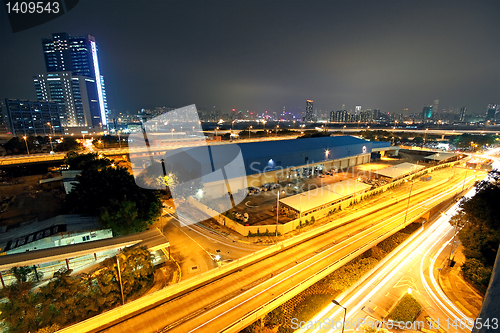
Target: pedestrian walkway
[461,293]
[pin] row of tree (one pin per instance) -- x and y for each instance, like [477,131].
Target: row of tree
[37,144]
[479,225]
[18,145]
[69,299]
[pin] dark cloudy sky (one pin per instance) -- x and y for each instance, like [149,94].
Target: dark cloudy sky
[263,55]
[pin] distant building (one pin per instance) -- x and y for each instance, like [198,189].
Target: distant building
[73,80]
[491,112]
[309,111]
[340,116]
[33,117]
[435,106]
[427,112]
[462,114]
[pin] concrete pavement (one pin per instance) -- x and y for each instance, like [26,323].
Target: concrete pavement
[457,289]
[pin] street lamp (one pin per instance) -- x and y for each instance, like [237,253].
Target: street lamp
[343,128]
[425,134]
[120,278]
[51,146]
[119,140]
[216,129]
[173,133]
[408,204]
[249,130]
[277,211]
[277,126]
[345,312]
[26,142]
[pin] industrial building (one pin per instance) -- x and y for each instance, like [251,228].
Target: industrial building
[258,163]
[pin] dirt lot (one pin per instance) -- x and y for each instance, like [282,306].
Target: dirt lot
[31,202]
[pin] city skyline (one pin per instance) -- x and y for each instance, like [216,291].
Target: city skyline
[263,56]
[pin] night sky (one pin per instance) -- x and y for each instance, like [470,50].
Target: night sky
[264,55]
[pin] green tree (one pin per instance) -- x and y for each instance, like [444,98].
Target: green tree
[136,269]
[63,299]
[109,190]
[476,272]
[480,219]
[69,143]
[77,161]
[17,145]
[20,310]
[122,218]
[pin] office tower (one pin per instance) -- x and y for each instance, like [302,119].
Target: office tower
[435,106]
[427,112]
[80,92]
[462,114]
[4,119]
[376,114]
[491,111]
[341,116]
[358,109]
[309,111]
[33,117]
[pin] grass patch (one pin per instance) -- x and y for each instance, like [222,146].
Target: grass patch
[407,309]
[311,306]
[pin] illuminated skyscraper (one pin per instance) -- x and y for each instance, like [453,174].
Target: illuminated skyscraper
[80,91]
[309,111]
[462,114]
[427,112]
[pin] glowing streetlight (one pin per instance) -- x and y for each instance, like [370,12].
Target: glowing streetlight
[277,211]
[26,142]
[345,312]
[51,146]
[249,130]
[173,133]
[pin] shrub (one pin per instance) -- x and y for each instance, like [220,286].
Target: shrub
[406,310]
[476,272]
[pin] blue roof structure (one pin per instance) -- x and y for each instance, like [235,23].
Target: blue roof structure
[271,155]
[265,156]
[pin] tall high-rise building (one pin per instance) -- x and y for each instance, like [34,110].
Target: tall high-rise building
[309,110]
[462,114]
[80,92]
[427,112]
[435,106]
[491,112]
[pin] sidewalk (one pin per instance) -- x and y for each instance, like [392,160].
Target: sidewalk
[457,289]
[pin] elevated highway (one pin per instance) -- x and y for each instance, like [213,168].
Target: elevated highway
[228,298]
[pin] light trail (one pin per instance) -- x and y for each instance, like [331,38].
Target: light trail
[287,274]
[426,240]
